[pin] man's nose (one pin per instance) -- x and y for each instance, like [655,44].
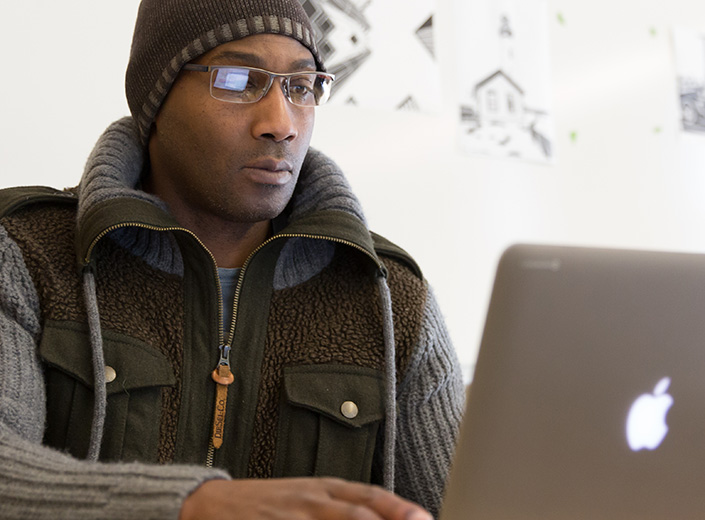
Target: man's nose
[275,117]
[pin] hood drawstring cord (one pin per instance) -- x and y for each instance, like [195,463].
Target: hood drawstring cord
[390,423]
[96,339]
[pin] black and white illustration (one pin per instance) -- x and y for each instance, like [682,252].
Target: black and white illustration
[381,52]
[504,75]
[689,48]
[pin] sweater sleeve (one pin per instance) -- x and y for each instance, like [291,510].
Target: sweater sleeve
[40,482]
[430,402]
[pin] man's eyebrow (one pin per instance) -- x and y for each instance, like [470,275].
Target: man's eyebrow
[304,64]
[236,56]
[254,60]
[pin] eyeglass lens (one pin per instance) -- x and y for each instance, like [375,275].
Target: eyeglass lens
[240,85]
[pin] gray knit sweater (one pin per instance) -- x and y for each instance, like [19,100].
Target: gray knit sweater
[38,482]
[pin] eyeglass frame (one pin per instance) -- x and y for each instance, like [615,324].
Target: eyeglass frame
[195,67]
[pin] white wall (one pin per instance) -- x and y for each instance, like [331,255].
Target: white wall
[631,178]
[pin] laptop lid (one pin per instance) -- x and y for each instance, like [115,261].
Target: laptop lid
[588,398]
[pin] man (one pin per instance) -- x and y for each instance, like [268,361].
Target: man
[207,316]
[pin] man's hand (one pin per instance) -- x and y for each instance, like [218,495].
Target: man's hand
[297,499]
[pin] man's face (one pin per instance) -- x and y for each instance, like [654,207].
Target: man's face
[233,162]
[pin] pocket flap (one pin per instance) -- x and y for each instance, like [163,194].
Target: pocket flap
[66,346]
[353,396]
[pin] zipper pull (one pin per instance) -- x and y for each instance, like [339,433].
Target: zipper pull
[223,378]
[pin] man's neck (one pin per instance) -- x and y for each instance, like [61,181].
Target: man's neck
[232,247]
[230,243]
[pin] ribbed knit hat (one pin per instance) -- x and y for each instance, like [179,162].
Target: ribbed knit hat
[170,33]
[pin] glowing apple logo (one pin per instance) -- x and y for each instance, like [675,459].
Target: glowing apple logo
[646,422]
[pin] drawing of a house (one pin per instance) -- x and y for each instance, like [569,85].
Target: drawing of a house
[505,109]
[500,118]
[500,101]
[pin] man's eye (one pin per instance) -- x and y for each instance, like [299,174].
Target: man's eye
[302,84]
[301,89]
[251,85]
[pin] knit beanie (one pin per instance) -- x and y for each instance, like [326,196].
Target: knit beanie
[170,33]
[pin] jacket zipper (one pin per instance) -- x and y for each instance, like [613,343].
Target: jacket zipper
[222,375]
[223,367]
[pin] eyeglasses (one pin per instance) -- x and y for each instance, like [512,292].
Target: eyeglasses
[249,85]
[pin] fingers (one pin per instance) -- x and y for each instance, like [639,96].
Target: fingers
[361,498]
[294,499]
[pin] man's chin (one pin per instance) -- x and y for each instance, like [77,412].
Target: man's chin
[259,214]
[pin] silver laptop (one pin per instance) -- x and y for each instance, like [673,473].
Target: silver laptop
[588,398]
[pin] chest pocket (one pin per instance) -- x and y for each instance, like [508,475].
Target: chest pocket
[328,421]
[134,407]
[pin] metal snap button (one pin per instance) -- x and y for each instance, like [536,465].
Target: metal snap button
[110,374]
[349,410]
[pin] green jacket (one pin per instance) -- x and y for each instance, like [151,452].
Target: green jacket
[321,310]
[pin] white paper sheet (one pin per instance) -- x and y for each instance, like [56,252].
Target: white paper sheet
[689,48]
[504,79]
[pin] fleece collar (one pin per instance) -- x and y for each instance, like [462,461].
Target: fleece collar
[110,202]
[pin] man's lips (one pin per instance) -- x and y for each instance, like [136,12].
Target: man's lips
[270,171]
